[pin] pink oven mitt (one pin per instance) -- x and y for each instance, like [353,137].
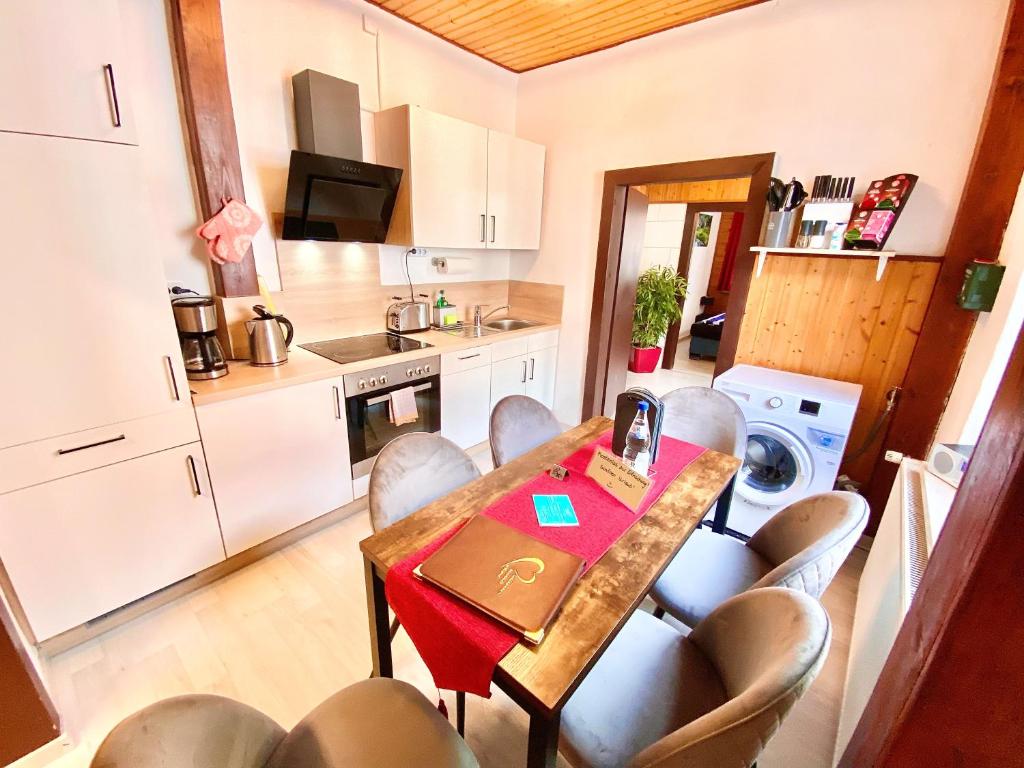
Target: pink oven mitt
[228,233]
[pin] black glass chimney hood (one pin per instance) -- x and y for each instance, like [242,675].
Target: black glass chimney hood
[338,200]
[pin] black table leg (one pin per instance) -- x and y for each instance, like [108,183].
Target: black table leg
[542,751]
[722,508]
[460,712]
[380,622]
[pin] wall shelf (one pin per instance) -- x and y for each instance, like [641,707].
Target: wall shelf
[881,256]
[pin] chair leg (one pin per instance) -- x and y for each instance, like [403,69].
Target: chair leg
[460,712]
[394,627]
[659,612]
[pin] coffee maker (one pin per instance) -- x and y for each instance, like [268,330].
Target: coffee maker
[196,319]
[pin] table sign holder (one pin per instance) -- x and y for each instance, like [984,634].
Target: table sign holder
[621,481]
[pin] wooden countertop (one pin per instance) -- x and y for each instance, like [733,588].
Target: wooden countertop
[606,595]
[303,366]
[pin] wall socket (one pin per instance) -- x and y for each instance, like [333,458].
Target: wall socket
[440,263]
[893,456]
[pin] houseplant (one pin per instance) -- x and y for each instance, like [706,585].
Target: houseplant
[659,294]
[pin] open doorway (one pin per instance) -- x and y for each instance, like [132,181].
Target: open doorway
[671,216]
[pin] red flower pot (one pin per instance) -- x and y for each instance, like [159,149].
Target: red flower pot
[644,359]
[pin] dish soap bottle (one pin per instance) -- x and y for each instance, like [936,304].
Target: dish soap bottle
[441,300]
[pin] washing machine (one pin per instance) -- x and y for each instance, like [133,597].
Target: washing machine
[797,430]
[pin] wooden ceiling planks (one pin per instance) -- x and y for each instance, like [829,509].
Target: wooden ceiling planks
[521,35]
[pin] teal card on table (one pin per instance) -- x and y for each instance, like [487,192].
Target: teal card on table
[554,510]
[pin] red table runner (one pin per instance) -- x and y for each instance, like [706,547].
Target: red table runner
[462,646]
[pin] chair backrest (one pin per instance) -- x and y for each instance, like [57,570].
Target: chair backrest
[518,425]
[767,646]
[413,470]
[808,540]
[189,731]
[707,417]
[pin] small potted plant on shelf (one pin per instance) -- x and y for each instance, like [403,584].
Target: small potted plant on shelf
[659,294]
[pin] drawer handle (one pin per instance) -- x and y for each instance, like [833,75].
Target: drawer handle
[196,489]
[174,379]
[533,364]
[64,451]
[470,357]
[337,404]
[112,85]
[524,372]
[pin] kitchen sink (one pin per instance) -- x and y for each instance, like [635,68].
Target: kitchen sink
[469,332]
[509,324]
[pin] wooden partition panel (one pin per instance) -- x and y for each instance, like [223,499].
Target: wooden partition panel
[829,317]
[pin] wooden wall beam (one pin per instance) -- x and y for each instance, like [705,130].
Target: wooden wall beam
[977,233]
[203,78]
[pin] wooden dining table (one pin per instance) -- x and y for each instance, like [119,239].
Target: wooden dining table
[542,678]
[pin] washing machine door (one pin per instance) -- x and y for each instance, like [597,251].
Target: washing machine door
[777,469]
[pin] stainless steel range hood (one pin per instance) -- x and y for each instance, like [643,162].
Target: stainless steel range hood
[332,194]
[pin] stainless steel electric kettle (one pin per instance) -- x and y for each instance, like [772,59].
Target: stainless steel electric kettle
[268,344]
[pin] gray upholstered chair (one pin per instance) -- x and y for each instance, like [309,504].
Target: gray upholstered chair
[412,471]
[377,723]
[707,417]
[712,699]
[518,425]
[800,547]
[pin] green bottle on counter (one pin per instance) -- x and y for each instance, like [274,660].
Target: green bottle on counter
[441,300]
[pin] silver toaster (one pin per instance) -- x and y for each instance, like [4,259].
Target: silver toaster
[408,317]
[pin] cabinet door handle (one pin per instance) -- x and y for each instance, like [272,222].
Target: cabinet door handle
[470,357]
[174,379]
[112,87]
[533,365]
[194,475]
[97,444]
[483,227]
[337,403]
[494,227]
[524,371]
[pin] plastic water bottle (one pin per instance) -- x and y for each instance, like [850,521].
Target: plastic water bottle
[637,453]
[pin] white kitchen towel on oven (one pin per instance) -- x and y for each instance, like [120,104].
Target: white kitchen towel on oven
[403,406]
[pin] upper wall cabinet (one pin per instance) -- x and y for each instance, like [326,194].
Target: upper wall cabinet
[465,186]
[63,71]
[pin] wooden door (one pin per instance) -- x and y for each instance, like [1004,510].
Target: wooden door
[508,377]
[30,720]
[81,546]
[448,180]
[540,375]
[89,338]
[277,459]
[466,406]
[61,64]
[515,191]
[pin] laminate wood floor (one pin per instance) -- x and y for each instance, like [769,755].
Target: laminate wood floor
[288,631]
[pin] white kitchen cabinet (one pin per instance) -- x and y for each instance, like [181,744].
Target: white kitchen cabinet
[92,340]
[540,375]
[466,406]
[61,64]
[277,459]
[525,366]
[464,186]
[515,191]
[79,547]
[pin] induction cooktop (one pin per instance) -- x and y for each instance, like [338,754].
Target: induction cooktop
[355,348]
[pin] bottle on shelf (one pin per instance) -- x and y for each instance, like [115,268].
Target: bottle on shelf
[637,453]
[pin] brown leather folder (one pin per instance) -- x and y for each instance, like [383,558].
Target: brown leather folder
[513,577]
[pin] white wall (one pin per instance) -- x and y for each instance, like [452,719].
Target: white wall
[663,235]
[991,343]
[922,68]
[163,143]
[463,266]
[267,44]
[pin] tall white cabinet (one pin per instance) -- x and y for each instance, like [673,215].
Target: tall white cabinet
[104,496]
[464,186]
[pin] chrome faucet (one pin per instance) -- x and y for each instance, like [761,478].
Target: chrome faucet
[478,320]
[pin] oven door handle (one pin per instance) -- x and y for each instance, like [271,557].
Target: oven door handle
[385,398]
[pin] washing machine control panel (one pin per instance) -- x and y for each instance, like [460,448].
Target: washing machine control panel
[775,402]
[828,441]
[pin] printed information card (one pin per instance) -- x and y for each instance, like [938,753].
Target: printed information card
[554,510]
[622,482]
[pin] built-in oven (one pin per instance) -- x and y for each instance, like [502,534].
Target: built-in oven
[368,407]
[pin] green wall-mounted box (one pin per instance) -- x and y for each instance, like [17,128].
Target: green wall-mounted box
[981,284]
